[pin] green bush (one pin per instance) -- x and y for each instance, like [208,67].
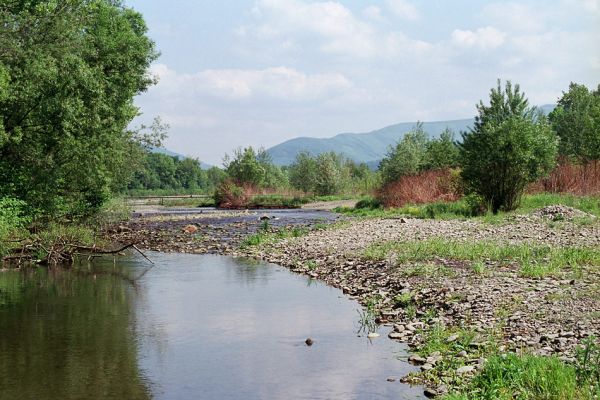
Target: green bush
[13,220]
[510,146]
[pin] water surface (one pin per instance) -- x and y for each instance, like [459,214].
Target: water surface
[192,327]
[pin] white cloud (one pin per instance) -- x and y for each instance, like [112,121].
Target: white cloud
[234,84]
[403,9]
[484,38]
[332,27]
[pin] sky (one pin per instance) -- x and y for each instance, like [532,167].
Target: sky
[258,72]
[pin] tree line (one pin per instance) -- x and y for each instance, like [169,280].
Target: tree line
[69,71]
[511,144]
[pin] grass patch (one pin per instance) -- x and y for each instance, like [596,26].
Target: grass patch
[533,260]
[512,376]
[465,208]
[267,235]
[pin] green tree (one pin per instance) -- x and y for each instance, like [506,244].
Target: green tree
[244,168]
[189,175]
[331,177]
[408,156]
[303,172]
[576,120]
[509,146]
[69,71]
[442,152]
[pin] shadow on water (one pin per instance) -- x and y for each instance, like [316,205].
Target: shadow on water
[68,334]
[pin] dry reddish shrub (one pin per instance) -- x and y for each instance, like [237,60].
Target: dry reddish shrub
[230,195]
[571,178]
[426,187]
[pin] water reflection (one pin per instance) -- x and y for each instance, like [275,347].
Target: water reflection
[193,327]
[68,335]
[236,330]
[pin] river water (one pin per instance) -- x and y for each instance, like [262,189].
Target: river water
[190,327]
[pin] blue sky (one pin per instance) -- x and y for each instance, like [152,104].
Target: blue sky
[258,72]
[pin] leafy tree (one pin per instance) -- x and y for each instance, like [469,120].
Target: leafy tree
[576,120]
[250,167]
[244,167]
[303,172]
[441,153]
[69,71]
[189,175]
[408,157]
[510,145]
[215,176]
[331,176]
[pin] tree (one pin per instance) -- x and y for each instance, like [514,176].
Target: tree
[331,176]
[441,153]
[69,71]
[303,172]
[509,146]
[244,167]
[576,120]
[407,157]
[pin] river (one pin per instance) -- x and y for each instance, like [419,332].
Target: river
[189,327]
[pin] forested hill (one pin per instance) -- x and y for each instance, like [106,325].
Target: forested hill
[365,147]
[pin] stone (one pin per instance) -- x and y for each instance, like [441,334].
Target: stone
[465,369]
[417,360]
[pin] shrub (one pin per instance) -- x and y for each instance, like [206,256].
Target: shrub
[510,146]
[230,195]
[568,177]
[13,219]
[426,187]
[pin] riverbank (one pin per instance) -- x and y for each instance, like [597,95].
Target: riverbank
[458,291]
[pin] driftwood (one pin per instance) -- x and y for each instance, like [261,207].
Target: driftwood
[61,252]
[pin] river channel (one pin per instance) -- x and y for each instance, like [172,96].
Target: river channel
[189,327]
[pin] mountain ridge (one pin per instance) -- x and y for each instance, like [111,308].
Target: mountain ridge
[367,147]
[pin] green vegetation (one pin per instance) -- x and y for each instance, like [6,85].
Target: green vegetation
[329,174]
[13,220]
[467,207]
[416,153]
[164,174]
[510,146]
[533,260]
[68,75]
[269,235]
[576,120]
[512,376]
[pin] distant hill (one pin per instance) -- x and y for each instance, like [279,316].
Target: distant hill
[368,147]
[168,152]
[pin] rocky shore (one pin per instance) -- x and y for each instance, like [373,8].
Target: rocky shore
[452,312]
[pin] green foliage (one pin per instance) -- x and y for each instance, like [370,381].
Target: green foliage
[442,153]
[161,171]
[13,220]
[248,167]
[521,377]
[330,174]
[509,147]
[534,260]
[576,120]
[587,365]
[408,157]
[69,72]
[303,172]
